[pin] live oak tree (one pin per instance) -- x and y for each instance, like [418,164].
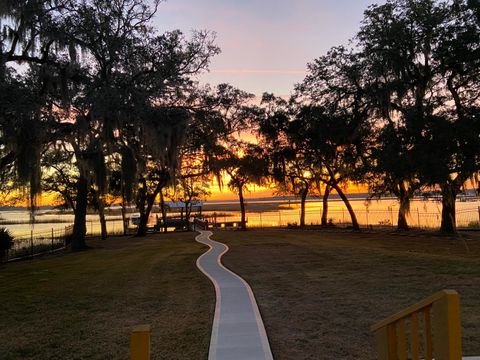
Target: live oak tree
[390,168]
[243,164]
[59,177]
[101,71]
[221,115]
[31,35]
[289,165]
[157,132]
[422,60]
[334,119]
[156,166]
[192,181]
[398,67]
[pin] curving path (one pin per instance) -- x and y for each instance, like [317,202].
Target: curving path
[238,332]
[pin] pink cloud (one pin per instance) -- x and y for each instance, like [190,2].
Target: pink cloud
[259,71]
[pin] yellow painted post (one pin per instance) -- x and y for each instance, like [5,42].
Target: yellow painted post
[401,340]
[392,341]
[140,343]
[447,338]
[414,335]
[381,340]
[428,334]
[386,341]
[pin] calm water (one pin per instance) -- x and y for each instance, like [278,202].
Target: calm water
[425,214]
[93,225]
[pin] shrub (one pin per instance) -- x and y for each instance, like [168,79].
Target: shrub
[6,242]
[385,222]
[473,225]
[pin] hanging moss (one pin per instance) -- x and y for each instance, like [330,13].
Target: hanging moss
[28,154]
[129,171]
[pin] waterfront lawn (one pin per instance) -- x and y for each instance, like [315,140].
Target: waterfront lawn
[319,292]
[83,305]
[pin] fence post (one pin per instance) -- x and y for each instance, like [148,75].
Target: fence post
[418,218]
[140,343]
[52,239]
[447,339]
[479,216]
[31,241]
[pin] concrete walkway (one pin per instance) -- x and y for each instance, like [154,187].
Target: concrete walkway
[238,332]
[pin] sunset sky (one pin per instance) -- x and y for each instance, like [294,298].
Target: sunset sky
[266,44]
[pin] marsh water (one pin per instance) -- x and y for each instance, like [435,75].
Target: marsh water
[423,213]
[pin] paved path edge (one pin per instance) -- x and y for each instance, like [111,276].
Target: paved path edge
[214,337]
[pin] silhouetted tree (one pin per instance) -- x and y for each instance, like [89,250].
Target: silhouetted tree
[220,116]
[244,164]
[32,34]
[290,166]
[423,71]
[156,166]
[335,119]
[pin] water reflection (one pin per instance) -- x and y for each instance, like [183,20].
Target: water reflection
[424,214]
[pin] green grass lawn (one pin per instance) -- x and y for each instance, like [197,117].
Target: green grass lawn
[319,292]
[84,305]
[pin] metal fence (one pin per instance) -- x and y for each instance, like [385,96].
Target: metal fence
[39,243]
[55,239]
[466,219]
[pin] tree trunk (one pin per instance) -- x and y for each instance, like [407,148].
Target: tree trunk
[124,211]
[142,225]
[345,200]
[100,205]
[404,196]
[188,210]
[140,203]
[145,215]
[449,195]
[124,215]
[326,194]
[103,221]
[145,212]
[243,222]
[402,215]
[303,199]
[164,212]
[79,224]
